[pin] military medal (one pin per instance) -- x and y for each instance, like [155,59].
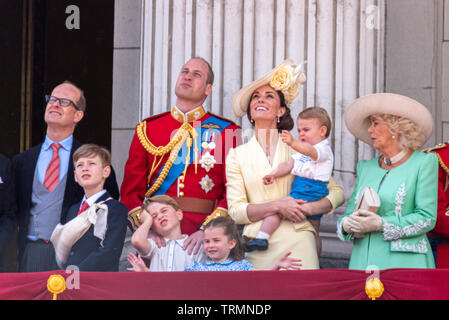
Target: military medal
[210,135]
[207,161]
[206,183]
[212,145]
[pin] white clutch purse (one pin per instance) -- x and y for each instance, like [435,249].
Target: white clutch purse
[368,200]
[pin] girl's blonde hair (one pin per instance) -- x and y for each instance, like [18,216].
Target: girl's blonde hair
[231,231]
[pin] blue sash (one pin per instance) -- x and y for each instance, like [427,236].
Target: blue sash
[179,163]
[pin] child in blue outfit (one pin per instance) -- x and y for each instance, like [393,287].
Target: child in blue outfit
[224,251]
[312,165]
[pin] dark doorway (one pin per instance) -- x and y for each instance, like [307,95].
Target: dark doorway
[45,43]
[83,56]
[11,13]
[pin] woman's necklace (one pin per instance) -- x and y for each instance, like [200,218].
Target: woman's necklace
[395,159]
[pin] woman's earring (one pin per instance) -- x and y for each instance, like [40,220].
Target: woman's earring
[393,136]
[279,119]
[252,121]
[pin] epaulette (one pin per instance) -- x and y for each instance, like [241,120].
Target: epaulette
[223,118]
[437,147]
[442,153]
[156,116]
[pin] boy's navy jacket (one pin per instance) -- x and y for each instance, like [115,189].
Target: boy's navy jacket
[87,253]
[24,165]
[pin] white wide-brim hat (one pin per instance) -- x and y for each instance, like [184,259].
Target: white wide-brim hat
[287,78]
[357,114]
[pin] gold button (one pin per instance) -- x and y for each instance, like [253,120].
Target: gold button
[181,194]
[181,185]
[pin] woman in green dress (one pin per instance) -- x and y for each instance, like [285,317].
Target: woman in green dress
[405,179]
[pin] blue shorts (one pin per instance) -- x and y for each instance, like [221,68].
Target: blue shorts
[309,190]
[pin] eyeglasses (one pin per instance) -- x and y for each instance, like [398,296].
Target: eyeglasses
[63,102]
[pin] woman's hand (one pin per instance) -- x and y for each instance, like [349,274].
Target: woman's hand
[362,221]
[291,209]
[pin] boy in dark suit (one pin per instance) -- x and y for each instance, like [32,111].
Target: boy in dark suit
[94,235]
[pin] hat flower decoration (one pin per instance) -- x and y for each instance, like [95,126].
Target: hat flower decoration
[288,79]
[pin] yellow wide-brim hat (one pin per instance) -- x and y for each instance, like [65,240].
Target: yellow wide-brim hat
[357,114]
[287,78]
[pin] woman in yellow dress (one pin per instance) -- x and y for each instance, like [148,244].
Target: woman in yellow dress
[249,199]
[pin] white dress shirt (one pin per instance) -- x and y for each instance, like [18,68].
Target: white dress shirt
[172,257]
[319,169]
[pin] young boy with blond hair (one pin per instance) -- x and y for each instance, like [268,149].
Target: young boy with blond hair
[162,215]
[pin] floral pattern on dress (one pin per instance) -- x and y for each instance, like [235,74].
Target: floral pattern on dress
[227,265]
[420,247]
[392,232]
[400,194]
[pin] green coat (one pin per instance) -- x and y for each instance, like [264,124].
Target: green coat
[408,196]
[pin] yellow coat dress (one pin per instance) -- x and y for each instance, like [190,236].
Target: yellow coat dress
[246,165]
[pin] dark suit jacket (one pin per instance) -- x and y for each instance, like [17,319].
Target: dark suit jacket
[24,165]
[7,204]
[87,253]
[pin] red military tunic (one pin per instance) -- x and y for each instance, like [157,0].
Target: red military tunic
[209,180]
[441,230]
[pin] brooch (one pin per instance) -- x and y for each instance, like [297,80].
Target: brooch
[206,183]
[207,161]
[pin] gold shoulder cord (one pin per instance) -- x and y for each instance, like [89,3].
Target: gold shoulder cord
[185,132]
[445,168]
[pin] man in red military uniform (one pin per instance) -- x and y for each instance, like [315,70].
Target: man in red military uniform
[439,236]
[182,154]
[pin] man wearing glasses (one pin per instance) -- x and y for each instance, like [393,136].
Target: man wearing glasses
[44,179]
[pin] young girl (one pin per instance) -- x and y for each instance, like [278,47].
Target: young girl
[224,251]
